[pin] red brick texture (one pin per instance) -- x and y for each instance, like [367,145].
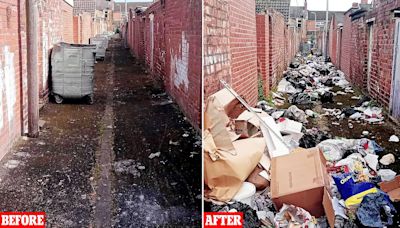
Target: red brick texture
[82,28]
[12,72]
[243,43]
[277,41]
[263,50]
[230,47]
[167,37]
[217,49]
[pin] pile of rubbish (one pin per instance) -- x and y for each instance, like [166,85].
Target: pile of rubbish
[264,162]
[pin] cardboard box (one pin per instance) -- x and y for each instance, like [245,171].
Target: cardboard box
[328,208]
[392,188]
[299,179]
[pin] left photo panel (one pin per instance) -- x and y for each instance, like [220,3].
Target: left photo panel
[100,113]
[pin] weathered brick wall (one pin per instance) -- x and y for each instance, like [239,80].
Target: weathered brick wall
[243,43]
[12,56]
[333,41]
[346,51]
[217,64]
[359,45]
[77,28]
[263,50]
[82,28]
[67,22]
[382,53]
[175,54]
[277,47]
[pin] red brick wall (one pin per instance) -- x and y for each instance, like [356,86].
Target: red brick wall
[12,71]
[217,55]
[176,52]
[359,44]
[67,22]
[346,46]
[263,50]
[277,47]
[243,43]
[77,29]
[382,53]
[333,41]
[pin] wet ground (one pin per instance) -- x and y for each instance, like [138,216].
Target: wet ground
[91,164]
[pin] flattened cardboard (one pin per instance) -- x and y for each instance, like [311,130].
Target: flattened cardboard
[225,176]
[247,125]
[299,179]
[392,188]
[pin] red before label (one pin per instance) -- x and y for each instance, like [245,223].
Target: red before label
[223,219]
[22,219]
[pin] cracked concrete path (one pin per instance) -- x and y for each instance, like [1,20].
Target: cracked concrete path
[129,160]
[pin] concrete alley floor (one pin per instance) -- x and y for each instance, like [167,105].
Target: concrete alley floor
[90,167]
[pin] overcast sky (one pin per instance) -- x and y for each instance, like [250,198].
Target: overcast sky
[334,5]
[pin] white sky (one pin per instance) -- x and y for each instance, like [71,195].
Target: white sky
[334,5]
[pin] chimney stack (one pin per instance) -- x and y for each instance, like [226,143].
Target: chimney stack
[364,2]
[355,5]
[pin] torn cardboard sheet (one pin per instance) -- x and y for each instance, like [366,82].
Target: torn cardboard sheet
[392,188]
[247,124]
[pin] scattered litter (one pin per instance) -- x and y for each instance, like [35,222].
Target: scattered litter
[278,114]
[185,135]
[153,155]
[12,164]
[173,143]
[311,113]
[292,216]
[334,149]
[141,167]
[387,174]
[127,167]
[387,159]
[296,114]
[365,133]
[394,138]
[288,126]
[352,193]
[246,193]
[369,211]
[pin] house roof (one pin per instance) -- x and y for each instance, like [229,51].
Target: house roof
[131,5]
[296,11]
[321,15]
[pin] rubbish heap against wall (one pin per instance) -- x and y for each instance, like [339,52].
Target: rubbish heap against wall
[376,79]
[167,37]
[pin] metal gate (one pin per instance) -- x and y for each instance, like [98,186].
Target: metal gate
[395,96]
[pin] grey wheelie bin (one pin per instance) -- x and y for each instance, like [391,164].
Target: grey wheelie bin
[101,43]
[72,71]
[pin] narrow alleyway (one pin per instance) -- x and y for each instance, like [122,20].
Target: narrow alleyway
[128,160]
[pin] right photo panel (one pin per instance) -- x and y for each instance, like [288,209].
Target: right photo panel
[301,113]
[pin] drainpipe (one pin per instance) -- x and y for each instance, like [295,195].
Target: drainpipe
[32,15]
